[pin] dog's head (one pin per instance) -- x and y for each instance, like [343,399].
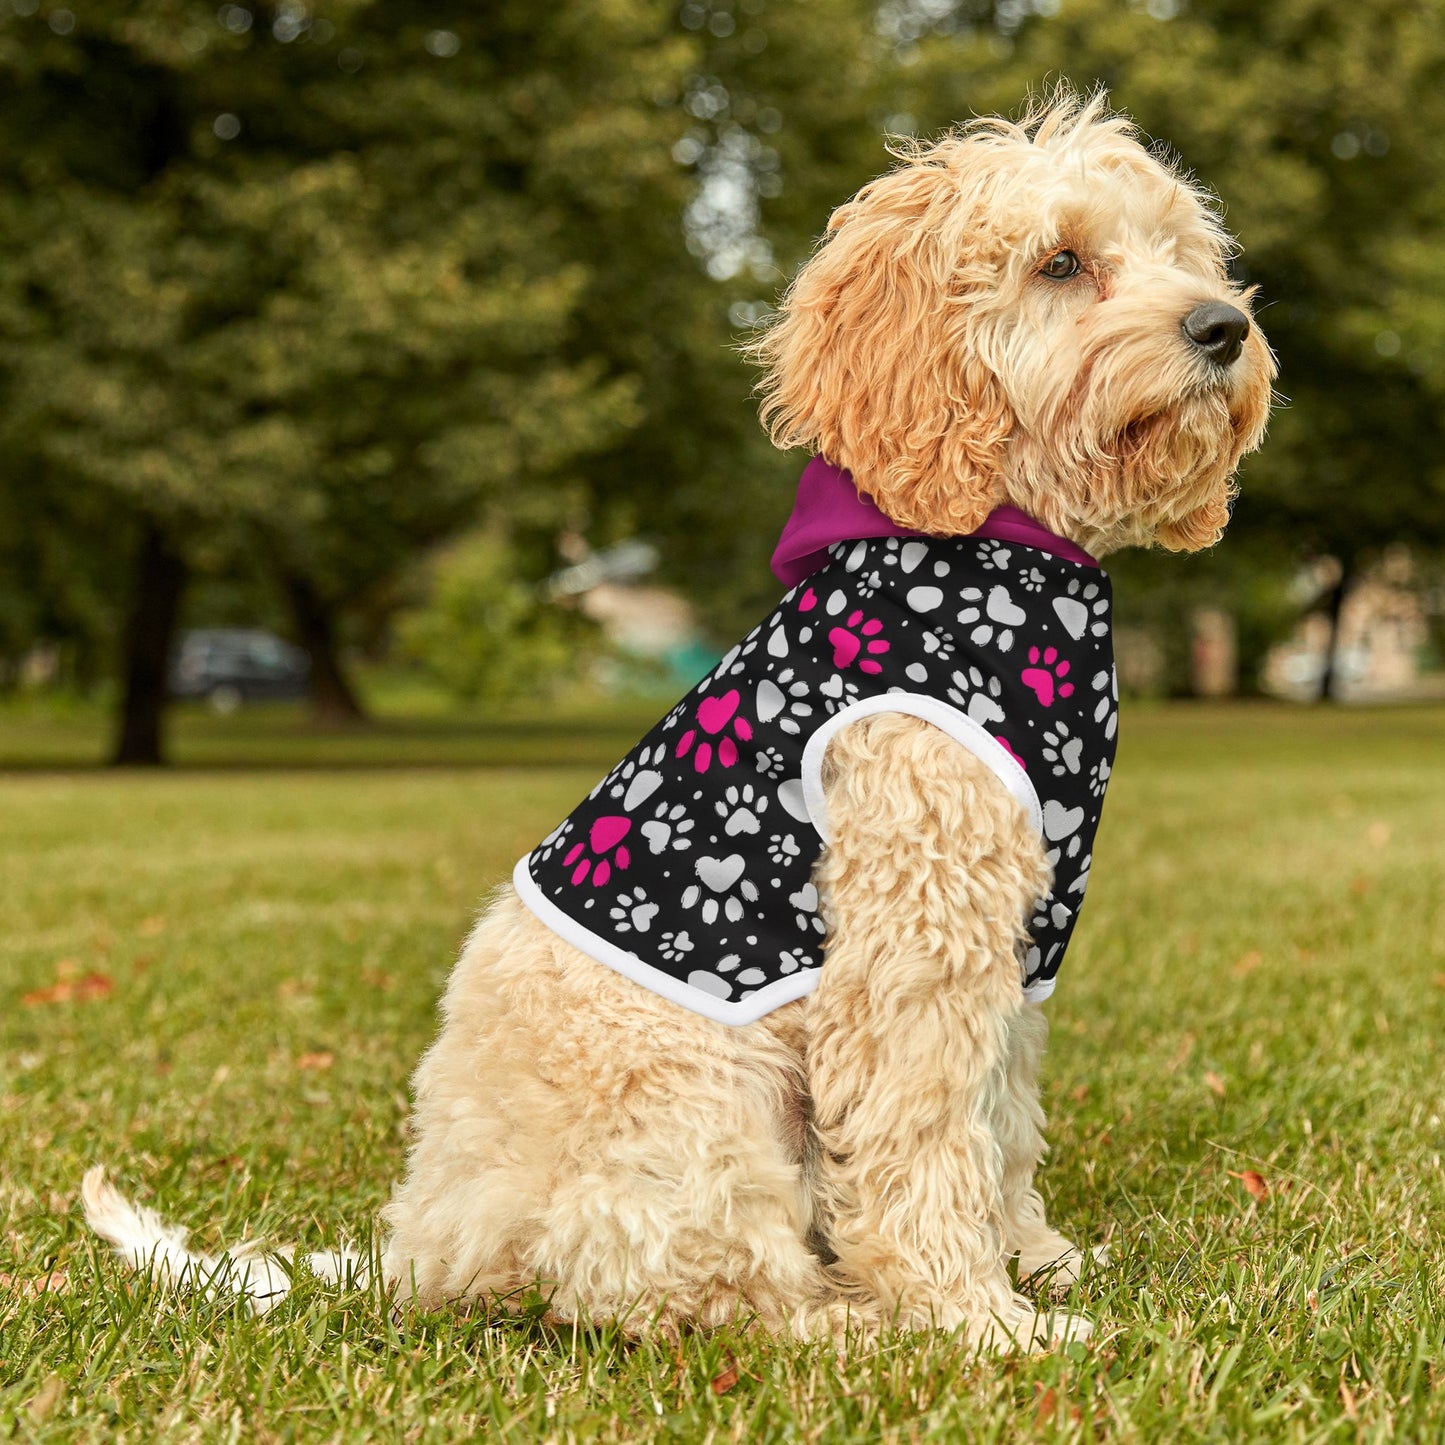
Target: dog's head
[1035,313]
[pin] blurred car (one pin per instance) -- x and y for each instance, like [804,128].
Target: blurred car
[228,666]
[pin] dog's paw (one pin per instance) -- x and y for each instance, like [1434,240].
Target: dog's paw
[1058,1270]
[1023,1326]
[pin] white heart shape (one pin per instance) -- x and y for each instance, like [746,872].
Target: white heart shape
[790,795]
[924,599]
[778,643]
[743,821]
[1002,609]
[643,915]
[721,873]
[1073,614]
[1071,752]
[1060,821]
[805,898]
[656,834]
[770,700]
[832,688]
[911,555]
[641,788]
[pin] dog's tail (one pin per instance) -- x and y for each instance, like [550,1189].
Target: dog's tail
[147,1243]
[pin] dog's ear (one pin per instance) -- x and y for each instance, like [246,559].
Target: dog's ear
[873,361]
[1201,528]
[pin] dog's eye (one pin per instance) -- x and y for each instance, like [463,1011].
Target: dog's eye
[1061,266]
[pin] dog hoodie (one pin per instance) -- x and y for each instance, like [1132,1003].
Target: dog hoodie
[688,867]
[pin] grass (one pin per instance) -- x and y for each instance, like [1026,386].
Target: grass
[231,972]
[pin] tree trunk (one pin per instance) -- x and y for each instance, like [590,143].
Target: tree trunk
[160,578]
[333,699]
[1329,675]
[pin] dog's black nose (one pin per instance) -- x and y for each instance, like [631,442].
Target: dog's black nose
[1218,330]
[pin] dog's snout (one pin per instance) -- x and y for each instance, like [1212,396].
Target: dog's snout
[1218,330]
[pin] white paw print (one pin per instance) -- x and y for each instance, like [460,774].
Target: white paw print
[806,901]
[837,692]
[740,806]
[790,960]
[735,659]
[938,644]
[1099,777]
[1032,580]
[868,583]
[1062,749]
[783,847]
[632,912]
[668,828]
[771,763]
[992,556]
[675,946]
[977,695]
[721,889]
[636,779]
[1083,609]
[783,699]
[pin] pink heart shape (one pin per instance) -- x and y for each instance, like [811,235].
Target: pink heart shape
[845,646]
[608,832]
[714,712]
[1042,683]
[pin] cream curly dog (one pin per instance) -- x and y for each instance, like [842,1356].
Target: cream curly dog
[1032,316]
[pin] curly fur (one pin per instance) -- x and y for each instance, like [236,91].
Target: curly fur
[864,1156]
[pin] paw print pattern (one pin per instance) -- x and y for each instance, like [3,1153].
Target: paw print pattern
[675,947]
[604,842]
[837,692]
[855,638]
[668,828]
[978,695]
[716,715]
[632,911]
[1062,749]
[771,763]
[638,778]
[784,698]
[740,808]
[1082,609]
[1099,777]
[695,853]
[1045,675]
[721,889]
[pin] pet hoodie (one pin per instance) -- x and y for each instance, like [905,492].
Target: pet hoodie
[688,867]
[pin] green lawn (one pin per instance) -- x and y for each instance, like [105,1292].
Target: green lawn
[252,957]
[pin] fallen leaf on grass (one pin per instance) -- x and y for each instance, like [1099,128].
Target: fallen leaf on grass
[151,927]
[1255,1184]
[1440,980]
[1360,885]
[1247,963]
[56,1282]
[1046,1407]
[1181,1054]
[723,1382]
[378,979]
[322,1059]
[45,1399]
[67,990]
[1214,1083]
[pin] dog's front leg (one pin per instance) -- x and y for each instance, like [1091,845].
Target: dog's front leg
[928,877]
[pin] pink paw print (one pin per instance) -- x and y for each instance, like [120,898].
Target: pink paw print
[847,643]
[808,601]
[714,715]
[1046,679]
[605,835]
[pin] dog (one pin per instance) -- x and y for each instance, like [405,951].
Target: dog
[756,1032]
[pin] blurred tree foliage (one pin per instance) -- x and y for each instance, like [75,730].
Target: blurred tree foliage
[325,285]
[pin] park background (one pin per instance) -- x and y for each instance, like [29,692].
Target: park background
[408,333]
